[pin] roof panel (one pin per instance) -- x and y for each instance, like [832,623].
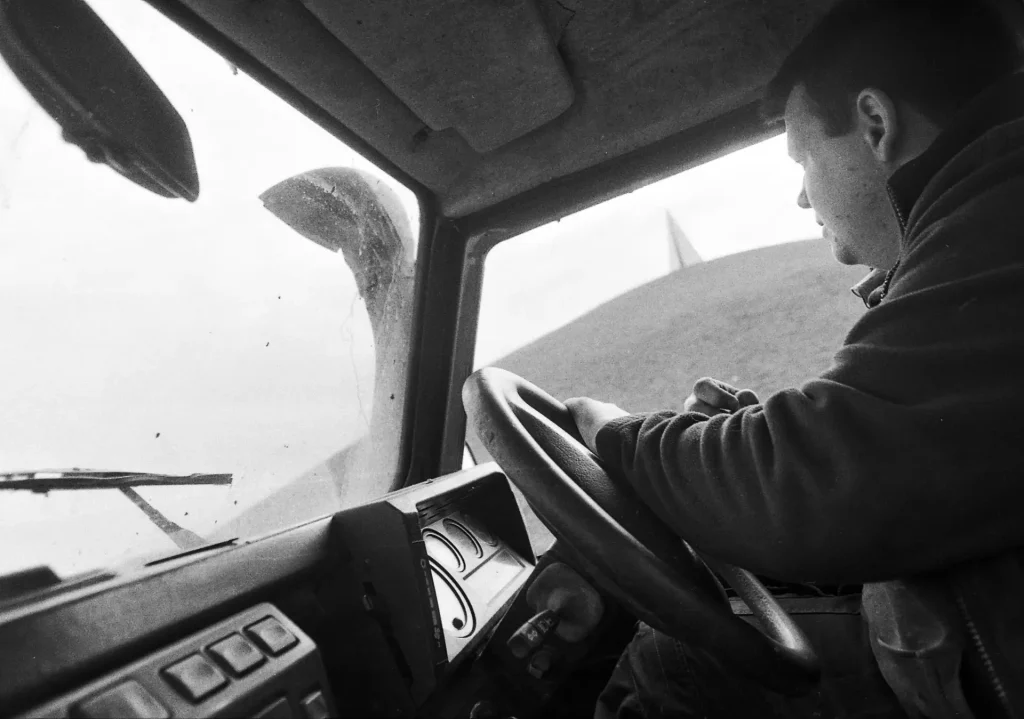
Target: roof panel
[642,71]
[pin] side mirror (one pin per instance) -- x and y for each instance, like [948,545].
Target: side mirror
[82,75]
[353,213]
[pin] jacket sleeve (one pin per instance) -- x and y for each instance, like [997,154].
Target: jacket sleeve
[905,455]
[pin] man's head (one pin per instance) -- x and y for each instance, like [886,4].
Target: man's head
[868,90]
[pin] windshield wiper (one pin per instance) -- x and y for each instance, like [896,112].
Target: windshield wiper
[49,480]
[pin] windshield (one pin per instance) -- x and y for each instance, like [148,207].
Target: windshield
[150,335]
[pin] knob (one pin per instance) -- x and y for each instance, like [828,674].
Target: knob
[533,633]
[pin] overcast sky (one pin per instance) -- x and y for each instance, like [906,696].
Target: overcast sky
[148,334]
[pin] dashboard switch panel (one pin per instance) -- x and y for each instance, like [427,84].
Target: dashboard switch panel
[185,679]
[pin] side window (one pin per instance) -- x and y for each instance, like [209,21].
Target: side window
[713,272]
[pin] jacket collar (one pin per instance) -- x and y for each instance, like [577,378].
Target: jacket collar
[1001,103]
[869,290]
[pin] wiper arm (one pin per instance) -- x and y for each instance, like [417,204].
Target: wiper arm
[43,481]
[61,479]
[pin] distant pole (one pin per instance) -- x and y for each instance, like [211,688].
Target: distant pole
[680,252]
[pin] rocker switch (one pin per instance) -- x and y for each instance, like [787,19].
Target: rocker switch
[195,677]
[237,654]
[272,636]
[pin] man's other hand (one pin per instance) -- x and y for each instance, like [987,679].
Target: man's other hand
[712,396]
[590,416]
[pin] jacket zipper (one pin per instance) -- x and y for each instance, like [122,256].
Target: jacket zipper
[979,644]
[903,235]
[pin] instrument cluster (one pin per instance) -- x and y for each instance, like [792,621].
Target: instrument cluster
[470,569]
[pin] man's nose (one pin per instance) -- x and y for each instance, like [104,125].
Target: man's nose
[801,199]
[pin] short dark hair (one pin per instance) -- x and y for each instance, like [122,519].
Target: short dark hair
[933,55]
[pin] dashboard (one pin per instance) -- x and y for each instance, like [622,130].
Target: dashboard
[437,564]
[257,663]
[378,610]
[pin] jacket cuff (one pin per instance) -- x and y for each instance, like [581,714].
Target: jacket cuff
[610,437]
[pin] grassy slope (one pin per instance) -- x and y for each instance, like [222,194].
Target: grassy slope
[767,319]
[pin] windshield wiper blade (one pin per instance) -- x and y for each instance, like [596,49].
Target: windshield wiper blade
[48,480]
[62,479]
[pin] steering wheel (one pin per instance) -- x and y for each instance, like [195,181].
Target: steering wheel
[615,538]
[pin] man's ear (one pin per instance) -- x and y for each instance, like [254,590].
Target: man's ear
[878,123]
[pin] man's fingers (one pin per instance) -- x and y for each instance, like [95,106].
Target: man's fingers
[690,403]
[573,404]
[697,406]
[716,394]
[745,398]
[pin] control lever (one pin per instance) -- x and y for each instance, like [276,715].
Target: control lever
[533,633]
[560,589]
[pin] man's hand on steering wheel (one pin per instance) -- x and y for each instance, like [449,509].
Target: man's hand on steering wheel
[710,396]
[590,416]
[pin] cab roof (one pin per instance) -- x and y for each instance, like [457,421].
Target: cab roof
[476,103]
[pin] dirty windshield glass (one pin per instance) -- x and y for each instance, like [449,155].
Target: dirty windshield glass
[176,374]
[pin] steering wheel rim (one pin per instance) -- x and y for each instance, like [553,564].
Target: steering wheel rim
[622,544]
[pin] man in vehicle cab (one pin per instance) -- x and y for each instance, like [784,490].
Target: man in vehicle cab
[901,467]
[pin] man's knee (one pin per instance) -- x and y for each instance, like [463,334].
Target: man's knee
[659,676]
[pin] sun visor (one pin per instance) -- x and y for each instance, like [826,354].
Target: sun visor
[488,70]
